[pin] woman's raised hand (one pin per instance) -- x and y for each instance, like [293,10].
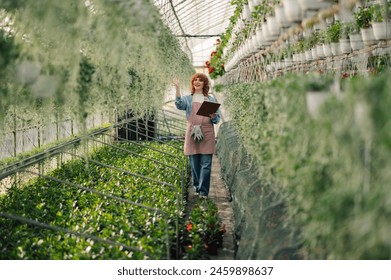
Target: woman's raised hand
[176,82]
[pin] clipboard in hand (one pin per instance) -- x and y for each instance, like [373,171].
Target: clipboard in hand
[208,108]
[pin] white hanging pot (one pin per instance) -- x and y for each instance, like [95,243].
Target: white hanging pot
[281,19]
[382,30]
[246,12]
[367,36]
[254,44]
[302,56]
[314,53]
[259,35]
[308,55]
[344,44]
[27,72]
[327,50]
[320,52]
[266,33]
[288,63]
[335,49]
[251,5]
[273,27]
[45,86]
[356,42]
[292,10]
[313,4]
[315,99]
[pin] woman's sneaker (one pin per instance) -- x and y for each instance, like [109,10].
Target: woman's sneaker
[197,192]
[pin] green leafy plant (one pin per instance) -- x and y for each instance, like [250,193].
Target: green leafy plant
[204,233]
[312,40]
[334,32]
[317,82]
[64,206]
[381,13]
[87,49]
[307,160]
[364,16]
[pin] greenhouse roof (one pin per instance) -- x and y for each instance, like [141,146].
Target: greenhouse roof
[197,24]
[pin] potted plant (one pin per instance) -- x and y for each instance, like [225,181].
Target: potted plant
[333,34]
[326,43]
[310,43]
[363,18]
[317,87]
[299,50]
[273,26]
[353,32]
[292,10]
[344,42]
[281,17]
[381,21]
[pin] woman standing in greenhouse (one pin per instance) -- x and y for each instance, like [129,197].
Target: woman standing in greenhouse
[200,136]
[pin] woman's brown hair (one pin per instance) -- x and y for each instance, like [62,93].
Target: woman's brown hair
[204,78]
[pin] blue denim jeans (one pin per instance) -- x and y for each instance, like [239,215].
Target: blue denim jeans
[201,166]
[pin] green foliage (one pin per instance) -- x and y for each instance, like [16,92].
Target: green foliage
[218,64]
[312,40]
[334,32]
[87,49]
[317,82]
[332,170]
[65,206]
[204,232]
[364,16]
[381,12]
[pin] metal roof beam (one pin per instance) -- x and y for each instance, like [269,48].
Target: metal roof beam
[198,36]
[180,26]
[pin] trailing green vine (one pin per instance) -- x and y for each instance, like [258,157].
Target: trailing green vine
[81,54]
[332,167]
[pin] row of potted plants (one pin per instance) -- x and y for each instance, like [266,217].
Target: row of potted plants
[204,232]
[333,168]
[78,58]
[325,34]
[57,204]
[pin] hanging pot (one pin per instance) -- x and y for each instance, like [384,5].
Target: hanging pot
[281,17]
[344,44]
[246,13]
[308,55]
[292,10]
[320,52]
[382,30]
[368,37]
[335,49]
[315,99]
[27,72]
[356,42]
[327,50]
[273,27]
[314,53]
[313,4]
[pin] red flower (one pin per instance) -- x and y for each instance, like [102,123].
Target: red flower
[222,229]
[189,226]
[345,75]
[211,70]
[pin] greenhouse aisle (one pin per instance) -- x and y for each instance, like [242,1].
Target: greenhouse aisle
[219,194]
